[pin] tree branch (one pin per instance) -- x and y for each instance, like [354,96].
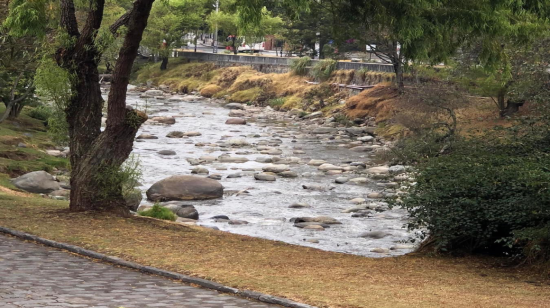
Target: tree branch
[68,17]
[122,21]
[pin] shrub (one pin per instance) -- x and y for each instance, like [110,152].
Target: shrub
[323,69]
[488,194]
[299,66]
[277,102]
[42,112]
[159,212]
[210,90]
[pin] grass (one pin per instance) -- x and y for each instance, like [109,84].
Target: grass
[14,160]
[321,278]
[159,212]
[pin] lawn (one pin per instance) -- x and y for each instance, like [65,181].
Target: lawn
[324,279]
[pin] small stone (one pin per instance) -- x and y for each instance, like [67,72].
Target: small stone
[216,176]
[341,180]
[380,250]
[375,195]
[166,152]
[288,174]
[199,170]
[359,180]
[299,206]
[374,234]
[316,162]
[358,200]
[174,134]
[235,121]
[146,136]
[315,227]
[265,177]
[234,106]
[237,222]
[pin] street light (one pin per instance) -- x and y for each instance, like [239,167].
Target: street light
[215,50]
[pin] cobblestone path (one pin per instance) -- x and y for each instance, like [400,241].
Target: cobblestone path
[36,276]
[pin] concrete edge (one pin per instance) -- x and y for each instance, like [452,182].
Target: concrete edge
[207,284]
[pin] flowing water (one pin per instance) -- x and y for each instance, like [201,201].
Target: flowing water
[266,205]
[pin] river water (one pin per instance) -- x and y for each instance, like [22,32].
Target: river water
[266,205]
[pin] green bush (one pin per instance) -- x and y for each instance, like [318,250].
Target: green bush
[159,212]
[299,66]
[488,194]
[323,69]
[277,102]
[41,112]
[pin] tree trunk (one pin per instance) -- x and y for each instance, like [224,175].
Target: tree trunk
[96,156]
[398,69]
[164,63]
[233,45]
[16,110]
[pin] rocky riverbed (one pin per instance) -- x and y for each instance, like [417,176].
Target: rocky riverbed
[301,181]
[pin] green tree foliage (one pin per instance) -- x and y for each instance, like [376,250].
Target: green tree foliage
[229,21]
[430,31]
[167,23]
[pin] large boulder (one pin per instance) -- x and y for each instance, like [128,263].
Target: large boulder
[184,187]
[39,182]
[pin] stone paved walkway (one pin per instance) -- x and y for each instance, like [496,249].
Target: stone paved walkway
[35,276]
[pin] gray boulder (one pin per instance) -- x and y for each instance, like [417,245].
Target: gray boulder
[133,199]
[166,152]
[185,187]
[39,182]
[182,210]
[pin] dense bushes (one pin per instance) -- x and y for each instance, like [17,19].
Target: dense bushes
[487,194]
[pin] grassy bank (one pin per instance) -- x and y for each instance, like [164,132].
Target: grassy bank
[15,159]
[304,274]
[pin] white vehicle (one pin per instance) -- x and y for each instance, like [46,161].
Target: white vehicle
[254,48]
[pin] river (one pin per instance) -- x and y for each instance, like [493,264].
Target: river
[266,205]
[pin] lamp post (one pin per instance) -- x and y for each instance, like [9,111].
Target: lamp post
[215,50]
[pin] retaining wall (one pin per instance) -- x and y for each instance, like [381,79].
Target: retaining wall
[274,64]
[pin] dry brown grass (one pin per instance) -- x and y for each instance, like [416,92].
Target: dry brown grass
[304,274]
[375,102]
[342,76]
[210,90]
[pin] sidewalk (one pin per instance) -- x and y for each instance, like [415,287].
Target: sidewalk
[36,276]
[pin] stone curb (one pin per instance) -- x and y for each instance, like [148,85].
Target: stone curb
[156,271]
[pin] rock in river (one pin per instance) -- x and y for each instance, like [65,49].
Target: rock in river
[374,234]
[39,182]
[182,210]
[319,219]
[235,121]
[166,152]
[265,176]
[147,136]
[185,187]
[164,120]
[234,106]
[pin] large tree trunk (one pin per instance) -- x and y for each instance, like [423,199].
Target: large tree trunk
[96,156]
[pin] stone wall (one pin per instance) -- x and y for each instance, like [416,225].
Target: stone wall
[273,64]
